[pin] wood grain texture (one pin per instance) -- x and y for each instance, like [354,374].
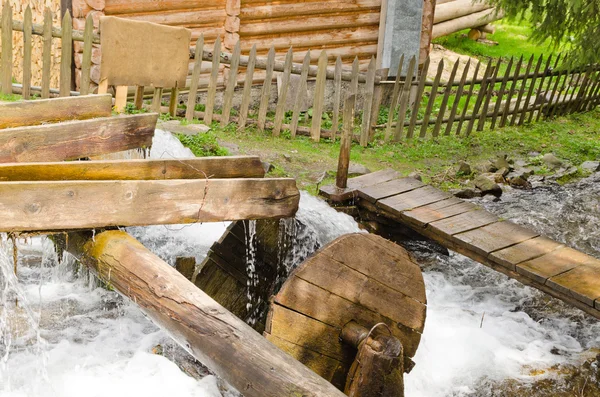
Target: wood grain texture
[553,263]
[43,111]
[153,169]
[387,189]
[212,334]
[527,250]
[92,204]
[76,139]
[494,237]
[412,199]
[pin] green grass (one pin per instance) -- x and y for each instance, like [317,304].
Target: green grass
[512,38]
[202,145]
[10,97]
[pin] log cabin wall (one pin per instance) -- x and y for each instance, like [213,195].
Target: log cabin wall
[37,13]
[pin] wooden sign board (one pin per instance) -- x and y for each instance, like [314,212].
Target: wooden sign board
[143,53]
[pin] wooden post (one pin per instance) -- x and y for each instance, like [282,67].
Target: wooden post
[247,88]
[299,97]
[420,90]
[6,60]
[457,98]
[231,84]
[315,129]
[266,91]
[47,53]
[174,101]
[27,49]
[282,97]
[368,104]
[228,346]
[394,100]
[157,99]
[66,55]
[341,180]
[431,100]
[86,63]
[405,98]
[442,111]
[120,98]
[463,115]
[191,104]
[212,84]
[138,99]
[337,97]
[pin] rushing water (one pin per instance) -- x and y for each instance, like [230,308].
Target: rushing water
[69,337]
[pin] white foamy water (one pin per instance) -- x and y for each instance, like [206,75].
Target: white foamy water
[68,337]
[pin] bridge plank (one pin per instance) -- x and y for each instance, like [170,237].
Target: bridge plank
[413,199]
[421,216]
[387,189]
[494,237]
[554,263]
[527,250]
[463,222]
[335,194]
[581,282]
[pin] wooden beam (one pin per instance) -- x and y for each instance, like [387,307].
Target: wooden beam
[154,169]
[228,346]
[43,111]
[67,205]
[76,139]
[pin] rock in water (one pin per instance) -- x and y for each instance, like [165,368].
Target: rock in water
[487,186]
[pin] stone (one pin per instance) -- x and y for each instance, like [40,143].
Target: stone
[416,176]
[590,166]
[467,193]
[464,168]
[175,127]
[231,147]
[487,186]
[518,182]
[551,161]
[356,169]
[287,158]
[501,162]
[268,167]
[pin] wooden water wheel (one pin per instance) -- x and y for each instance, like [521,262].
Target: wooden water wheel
[358,277]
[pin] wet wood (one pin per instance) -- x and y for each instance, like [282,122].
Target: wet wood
[44,111]
[582,282]
[339,284]
[212,334]
[212,85]
[93,204]
[420,217]
[463,222]
[153,169]
[552,263]
[76,139]
[413,199]
[317,113]
[388,189]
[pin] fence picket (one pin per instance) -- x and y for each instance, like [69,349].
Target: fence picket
[576,86]
[317,114]
[543,102]
[231,84]
[27,49]
[282,97]
[511,91]
[583,91]
[479,100]
[530,91]
[174,101]
[341,177]
[354,79]
[501,92]
[212,83]
[157,99]
[66,55]
[299,97]
[442,111]
[418,98]
[368,104]
[394,100]
[138,99]
[457,97]
[265,94]
[488,97]
[6,62]
[47,53]
[594,86]
[247,88]
[192,94]
[404,99]
[521,92]
[337,96]
[86,61]
[431,100]
[380,75]
[463,115]
[553,105]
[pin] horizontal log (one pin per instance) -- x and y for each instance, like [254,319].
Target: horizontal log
[43,111]
[293,24]
[487,28]
[76,139]
[214,336]
[250,12]
[183,17]
[154,169]
[38,29]
[469,21]
[54,92]
[68,205]
[458,8]
[113,7]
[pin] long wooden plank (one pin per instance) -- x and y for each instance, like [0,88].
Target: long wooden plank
[43,111]
[91,204]
[333,193]
[413,199]
[426,214]
[463,222]
[387,189]
[553,263]
[582,282]
[153,169]
[76,139]
[494,237]
[527,250]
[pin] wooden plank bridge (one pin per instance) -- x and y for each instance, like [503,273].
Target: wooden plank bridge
[461,226]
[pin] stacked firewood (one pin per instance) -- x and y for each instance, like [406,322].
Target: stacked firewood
[455,15]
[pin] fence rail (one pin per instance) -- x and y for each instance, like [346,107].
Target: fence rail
[418,102]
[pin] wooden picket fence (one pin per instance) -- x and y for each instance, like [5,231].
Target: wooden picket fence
[509,93]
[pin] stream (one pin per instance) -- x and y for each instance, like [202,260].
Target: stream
[69,337]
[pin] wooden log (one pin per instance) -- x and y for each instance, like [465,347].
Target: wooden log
[94,204]
[468,21]
[341,178]
[475,34]
[43,111]
[229,347]
[76,139]
[113,7]
[487,28]
[459,8]
[6,61]
[153,169]
[265,12]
